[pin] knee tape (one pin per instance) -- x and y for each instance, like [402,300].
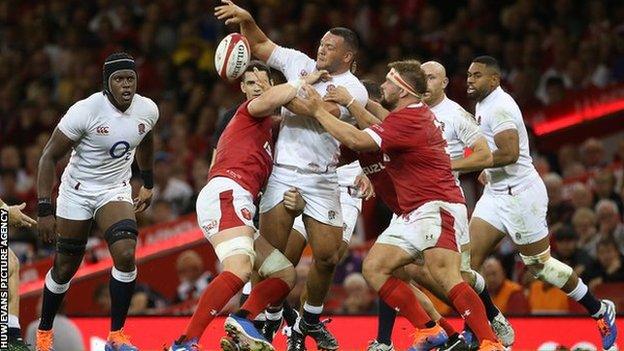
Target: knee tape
[71,246]
[238,246]
[124,229]
[465,261]
[553,271]
[275,262]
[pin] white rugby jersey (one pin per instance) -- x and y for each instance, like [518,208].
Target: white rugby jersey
[459,128]
[302,141]
[494,114]
[106,138]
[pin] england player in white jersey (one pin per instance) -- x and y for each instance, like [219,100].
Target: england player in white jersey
[105,131]
[514,201]
[305,157]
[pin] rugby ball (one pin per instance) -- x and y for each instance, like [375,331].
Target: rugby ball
[232,56]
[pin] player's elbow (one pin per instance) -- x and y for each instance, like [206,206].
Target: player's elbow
[486,159]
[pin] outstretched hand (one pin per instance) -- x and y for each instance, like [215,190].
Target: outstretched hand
[315,76]
[231,13]
[339,95]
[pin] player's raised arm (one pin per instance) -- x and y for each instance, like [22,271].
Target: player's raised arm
[261,46]
[278,95]
[341,96]
[145,161]
[57,147]
[347,134]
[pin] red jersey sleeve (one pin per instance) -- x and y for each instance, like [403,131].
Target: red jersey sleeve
[394,133]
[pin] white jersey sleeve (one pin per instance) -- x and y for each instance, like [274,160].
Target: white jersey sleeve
[290,62]
[152,109]
[501,119]
[467,129]
[75,122]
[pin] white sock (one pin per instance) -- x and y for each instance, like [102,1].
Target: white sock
[274,316]
[479,284]
[578,292]
[247,288]
[54,286]
[313,309]
[124,277]
[13,321]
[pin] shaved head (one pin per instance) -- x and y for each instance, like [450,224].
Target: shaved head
[434,66]
[436,82]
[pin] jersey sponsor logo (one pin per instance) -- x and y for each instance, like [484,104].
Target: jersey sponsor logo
[102,130]
[141,128]
[246,214]
[119,149]
[374,168]
[386,158]
[210,226]
[267,148]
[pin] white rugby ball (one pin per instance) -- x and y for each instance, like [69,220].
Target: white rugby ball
[232,56]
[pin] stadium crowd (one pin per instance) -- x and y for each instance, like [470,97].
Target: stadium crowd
[51,53]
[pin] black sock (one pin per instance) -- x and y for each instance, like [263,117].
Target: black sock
[387,316]
[242,313]
[14,334]
[49,308]
[490,308]
[591,303]
[242,299]
[121,295]
[290,315]
[311,318]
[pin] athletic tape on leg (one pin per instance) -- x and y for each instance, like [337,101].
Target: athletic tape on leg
[54,286]
[241,245]
[275,262]
[553,271]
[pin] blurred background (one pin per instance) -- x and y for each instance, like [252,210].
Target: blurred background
[563,61]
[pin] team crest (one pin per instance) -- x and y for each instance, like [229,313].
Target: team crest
[330,87]
[331,214]
[246,214]
[141,128]
[303,73]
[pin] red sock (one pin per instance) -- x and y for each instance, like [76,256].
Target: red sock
[212,301]
[398,295]
[271,291]
[470,307]
[448,328]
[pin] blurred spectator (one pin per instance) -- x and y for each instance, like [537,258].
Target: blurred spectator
[567,250]
[608,268]
[360,298]
[559,210]
[507,295]
[593,154]
[604,186]
[555,91]
[101,298]
[581,196]
[192,276]
[610,223]
[145,300]
[350,263]
[584,224]
[547,298]
[162,212]
[169,188]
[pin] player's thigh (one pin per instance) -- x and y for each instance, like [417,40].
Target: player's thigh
[73,229]
[524,214]
[235,249]
[296,244]
[275,226]
[117,218]
[324,239]
[483,239]
[114,212]
[382,260]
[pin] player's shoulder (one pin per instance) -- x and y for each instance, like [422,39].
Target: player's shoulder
[145,103]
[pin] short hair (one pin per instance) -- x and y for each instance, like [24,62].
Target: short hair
[261,66]
[413,74]
[349,37]
[373,89]
[489,62]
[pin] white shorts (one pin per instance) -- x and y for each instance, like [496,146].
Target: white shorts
[223,204]
[521,215]
[80,201]
[434,224]
[351,208]
[320,192]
